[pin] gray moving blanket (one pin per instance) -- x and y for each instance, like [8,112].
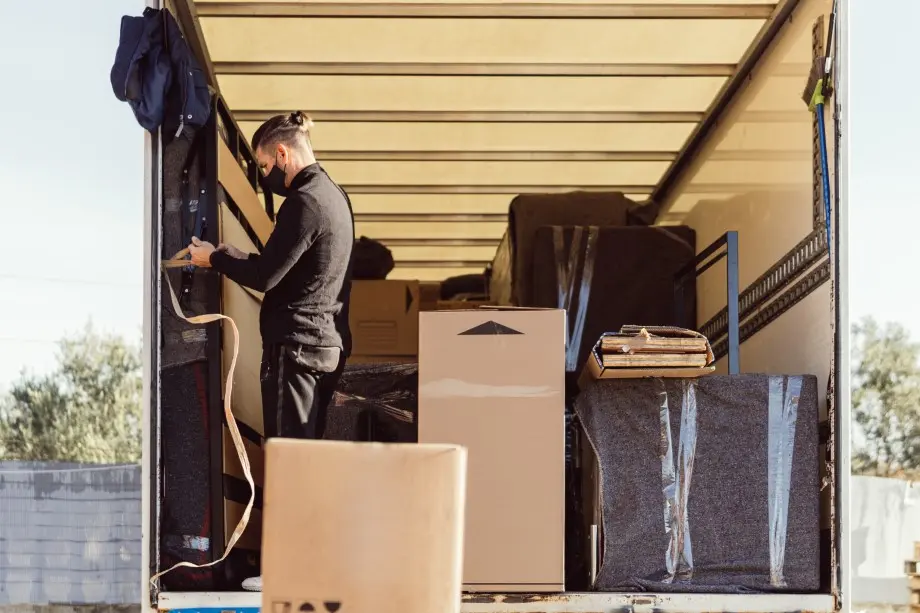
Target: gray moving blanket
[708,485]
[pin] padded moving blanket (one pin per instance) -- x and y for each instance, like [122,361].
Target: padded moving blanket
[513,268]
[609,277]
[707,485]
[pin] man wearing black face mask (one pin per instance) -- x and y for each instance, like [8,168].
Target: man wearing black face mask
[305,271]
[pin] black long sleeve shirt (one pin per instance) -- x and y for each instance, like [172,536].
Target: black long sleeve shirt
[305,266]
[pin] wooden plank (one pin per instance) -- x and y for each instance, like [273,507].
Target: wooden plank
[638,344]
[471,94]
[527,10]
[459,253]
[486,41]
[244,309]
[397,136]
[237,186]
[383,230]
[251,538]
[409,272]
[491,69]
[492,173]
[651,360]
[566,117]
[232,464]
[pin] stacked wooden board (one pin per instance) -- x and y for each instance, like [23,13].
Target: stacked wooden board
[649,351]
[655,347]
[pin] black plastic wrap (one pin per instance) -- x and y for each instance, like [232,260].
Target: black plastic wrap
[375,402]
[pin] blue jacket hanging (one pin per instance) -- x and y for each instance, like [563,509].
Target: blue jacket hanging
[157,74]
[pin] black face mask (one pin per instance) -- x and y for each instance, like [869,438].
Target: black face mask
[274,181]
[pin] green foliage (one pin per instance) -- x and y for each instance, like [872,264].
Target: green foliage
[886,400]
[87,410]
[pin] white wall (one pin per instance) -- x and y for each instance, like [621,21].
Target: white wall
[884,524]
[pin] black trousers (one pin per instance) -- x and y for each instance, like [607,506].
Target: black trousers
[296,390]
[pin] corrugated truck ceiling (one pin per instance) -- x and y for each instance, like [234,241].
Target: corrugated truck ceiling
[434,115]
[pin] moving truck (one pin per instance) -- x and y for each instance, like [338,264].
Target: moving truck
[434,115]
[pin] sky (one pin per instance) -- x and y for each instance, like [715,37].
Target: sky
[71,163]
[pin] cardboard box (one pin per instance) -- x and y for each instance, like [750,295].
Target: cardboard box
[429,294]
[362,527]
[493,381]
[383,316]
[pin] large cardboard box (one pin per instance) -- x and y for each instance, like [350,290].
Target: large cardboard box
[383,316]
[493,381]
[362,527]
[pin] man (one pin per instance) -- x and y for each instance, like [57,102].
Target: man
[305,272]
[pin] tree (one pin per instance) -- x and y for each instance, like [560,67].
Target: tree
[88,409]
[886,399]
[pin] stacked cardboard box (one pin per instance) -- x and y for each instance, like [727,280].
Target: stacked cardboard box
[383,316]
[493,381]
[363,527]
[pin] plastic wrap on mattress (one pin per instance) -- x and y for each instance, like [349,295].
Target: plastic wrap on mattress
[513,267]
[375,402]
[609,277]
[706,485]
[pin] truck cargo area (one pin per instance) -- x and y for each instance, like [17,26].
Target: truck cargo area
[434,117]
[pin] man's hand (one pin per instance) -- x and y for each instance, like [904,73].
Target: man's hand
[232,251]
[201,252]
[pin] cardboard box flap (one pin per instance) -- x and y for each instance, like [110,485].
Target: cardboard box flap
[485,353]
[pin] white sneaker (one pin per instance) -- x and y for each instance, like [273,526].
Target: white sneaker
[253,584]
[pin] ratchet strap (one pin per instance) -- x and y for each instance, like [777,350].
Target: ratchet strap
[179,261]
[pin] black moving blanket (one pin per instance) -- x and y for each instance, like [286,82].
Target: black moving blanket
[708,485]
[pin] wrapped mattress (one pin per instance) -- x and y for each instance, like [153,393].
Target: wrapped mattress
[706,485]
[606,278]
[513,267]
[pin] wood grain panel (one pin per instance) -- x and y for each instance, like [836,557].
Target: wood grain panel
[244,310]
[232,464]
[432,274]
[251,538]
[405,255]
[469,94]
[496,173]
[483,41]
[495,137]
[237,186]
[382,230]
